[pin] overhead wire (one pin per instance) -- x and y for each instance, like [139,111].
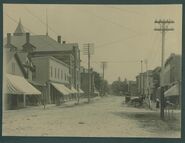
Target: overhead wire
[42,22]
[112,22]
[44,40]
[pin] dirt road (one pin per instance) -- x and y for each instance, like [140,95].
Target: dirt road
[104,117]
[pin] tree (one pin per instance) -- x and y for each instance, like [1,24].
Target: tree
[100,84]
[105,86]
[119,87]
[97,81]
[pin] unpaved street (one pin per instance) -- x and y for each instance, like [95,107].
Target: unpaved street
[104,117]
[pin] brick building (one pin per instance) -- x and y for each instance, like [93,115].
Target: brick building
[85,81]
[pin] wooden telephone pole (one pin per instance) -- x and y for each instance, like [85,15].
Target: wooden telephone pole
[163,29]
[147,83]
[104,65]
[141,81]
[88,50]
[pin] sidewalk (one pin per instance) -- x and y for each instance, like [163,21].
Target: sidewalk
[70,103]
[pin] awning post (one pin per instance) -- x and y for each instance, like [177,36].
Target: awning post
[24,100]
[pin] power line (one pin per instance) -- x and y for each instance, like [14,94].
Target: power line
[88,51]
[126,10]
[117,41]
[15,21]
[42,22]
[112,22]
[104,65]
[48,43]
[163,28]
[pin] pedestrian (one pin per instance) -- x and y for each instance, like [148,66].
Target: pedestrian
[157,103]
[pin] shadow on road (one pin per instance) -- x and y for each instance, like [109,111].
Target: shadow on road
[151,121]
[81,103]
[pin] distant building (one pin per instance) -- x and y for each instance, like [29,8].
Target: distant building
[85,81]
[171,78]
[148,82]
[172,69]
[140,84]
[132,88]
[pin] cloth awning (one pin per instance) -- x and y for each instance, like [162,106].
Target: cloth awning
[80,90]
[74,90]
[19,85]
[62,88]
[172,91]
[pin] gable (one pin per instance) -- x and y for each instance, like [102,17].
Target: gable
[28,48]
[12,67]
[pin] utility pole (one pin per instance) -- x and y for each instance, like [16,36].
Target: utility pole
[147,83]
[163,29]
[104,64]
[141,79]
[46,22]
[88,50]
[103,67]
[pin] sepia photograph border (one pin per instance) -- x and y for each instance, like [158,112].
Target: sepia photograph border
[32,139]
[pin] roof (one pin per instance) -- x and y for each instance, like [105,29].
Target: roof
[19,85]
[132,82]
[23,56]
[19,30]
[173,55]
[52,58]
[41,42]
[173,91]
[157,69]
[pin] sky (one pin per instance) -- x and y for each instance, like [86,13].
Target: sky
[122,35]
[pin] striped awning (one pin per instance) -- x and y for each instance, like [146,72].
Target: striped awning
[172,91]
[19,85]
[74,90]
[80,90]
[62,88]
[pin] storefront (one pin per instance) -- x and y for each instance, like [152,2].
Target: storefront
[173,94]
[19,92]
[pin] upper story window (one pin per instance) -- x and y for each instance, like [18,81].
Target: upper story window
[55,72]
[33,72]
[61,75]
[13,68]
[51,71]
[65,76]
[34,75]
[58,73]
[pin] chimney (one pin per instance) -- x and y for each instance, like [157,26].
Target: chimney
[27,37]
[59,39]
[8,38]
[64,42]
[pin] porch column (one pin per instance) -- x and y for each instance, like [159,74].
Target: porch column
[49,93]
[24,100]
